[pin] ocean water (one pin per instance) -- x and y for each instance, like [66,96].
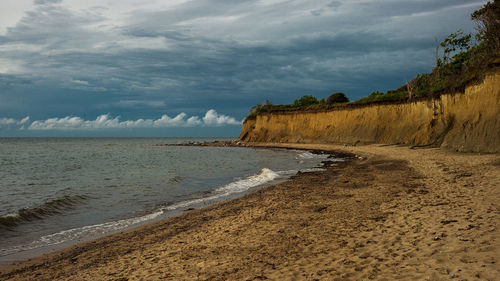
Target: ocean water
[54,191]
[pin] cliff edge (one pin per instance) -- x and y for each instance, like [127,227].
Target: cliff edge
[466,122]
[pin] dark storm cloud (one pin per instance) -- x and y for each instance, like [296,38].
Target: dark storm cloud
[42,2]
[54,25]
[334,4]
[402,8]
[227,55]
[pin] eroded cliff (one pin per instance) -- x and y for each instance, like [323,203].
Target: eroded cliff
[468,122]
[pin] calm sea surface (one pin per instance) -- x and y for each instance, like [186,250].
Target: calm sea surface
[57,190]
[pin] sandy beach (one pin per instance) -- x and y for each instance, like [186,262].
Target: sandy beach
[390,213]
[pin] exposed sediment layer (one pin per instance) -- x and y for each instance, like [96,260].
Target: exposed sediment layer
[467,122]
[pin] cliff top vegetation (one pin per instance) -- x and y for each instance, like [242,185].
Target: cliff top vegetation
[461,59]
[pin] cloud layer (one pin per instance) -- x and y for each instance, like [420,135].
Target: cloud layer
[103,122]
[85,57]
[5,122]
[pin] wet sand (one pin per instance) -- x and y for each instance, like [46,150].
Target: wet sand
[391,213]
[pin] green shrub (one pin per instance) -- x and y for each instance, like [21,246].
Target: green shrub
[306,101]
[337,98]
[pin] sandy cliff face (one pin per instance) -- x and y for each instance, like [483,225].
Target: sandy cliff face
[468,122]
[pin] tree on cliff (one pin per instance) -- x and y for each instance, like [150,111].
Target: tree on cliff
[456,43]
[488,19]
[337,98]
[305,101]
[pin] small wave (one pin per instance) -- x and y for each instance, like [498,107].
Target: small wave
[239,186]
[333,159]
[52,207]
[264,176]
[78,233]
[309,155]
[176,179]
[310,170]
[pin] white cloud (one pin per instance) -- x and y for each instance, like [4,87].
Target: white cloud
[12,11]
[24,120]
[211,119]
[80,82]
[5,122]
[165,121]
[194,121]
[10,66]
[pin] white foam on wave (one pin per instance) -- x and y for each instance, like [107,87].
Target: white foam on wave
[264,176]
[309,155]
[310,170]
[78,233]
[239,186]
[11,215]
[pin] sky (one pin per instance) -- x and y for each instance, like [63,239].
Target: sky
[195,68]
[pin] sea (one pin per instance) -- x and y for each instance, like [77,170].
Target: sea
[58,191]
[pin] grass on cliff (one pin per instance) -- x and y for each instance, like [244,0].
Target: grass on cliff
[465,59]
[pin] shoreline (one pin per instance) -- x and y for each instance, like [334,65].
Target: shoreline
[44,255]
[174,209]
[425,214]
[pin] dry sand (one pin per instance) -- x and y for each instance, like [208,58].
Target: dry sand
[397,213]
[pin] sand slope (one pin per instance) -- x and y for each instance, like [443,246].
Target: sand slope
[406,214]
